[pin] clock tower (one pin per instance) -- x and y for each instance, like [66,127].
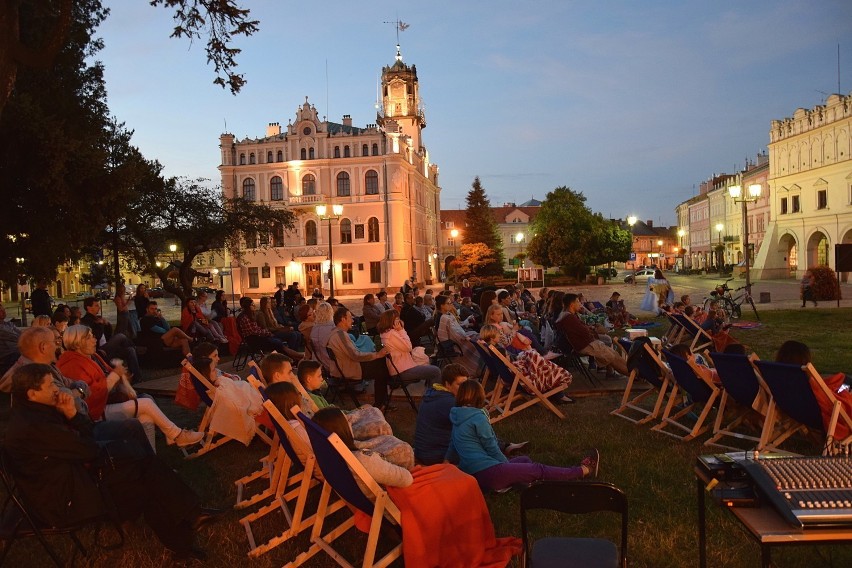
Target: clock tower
[400,110]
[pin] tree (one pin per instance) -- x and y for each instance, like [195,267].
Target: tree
[473,259]
[567,234]
[217,20]
[480,227]
[195,218]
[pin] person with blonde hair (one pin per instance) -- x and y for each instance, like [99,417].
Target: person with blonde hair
[112,397]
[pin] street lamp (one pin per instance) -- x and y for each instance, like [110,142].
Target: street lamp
[519,238]
[20,261]
[631,220]
[719,227]
[736,193]
[680,234]
[662,255]
[336,212]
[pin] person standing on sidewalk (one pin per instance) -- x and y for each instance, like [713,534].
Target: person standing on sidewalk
[807,288]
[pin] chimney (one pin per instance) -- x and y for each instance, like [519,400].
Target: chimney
[347,120]
[650,223]
[273,129]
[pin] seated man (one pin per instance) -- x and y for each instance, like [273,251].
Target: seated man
[356,364]
[157,333]
[57,460]
[248,327]
[114,345]
[416,324]
[584,340]
[9,334]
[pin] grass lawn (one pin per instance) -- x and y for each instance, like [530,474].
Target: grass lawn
[654,470]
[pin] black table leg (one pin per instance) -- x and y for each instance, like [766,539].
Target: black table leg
[702,531]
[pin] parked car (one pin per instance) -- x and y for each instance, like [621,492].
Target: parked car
[207,289]
[640,274]
[156,292]
[83,295]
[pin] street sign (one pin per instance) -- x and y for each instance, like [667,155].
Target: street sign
[632,256]
[224,273]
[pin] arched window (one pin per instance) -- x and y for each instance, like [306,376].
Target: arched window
[373,230]
[371,182]
[375,149]
[365,150]
[249,193]
[311,233]
[343,184]
[280,156]
[346,153]
[252,159]
[311,153]
[304,154]
[337,151]
[309,185]
[269,157]
[242,159]
[345,231]
[276,189]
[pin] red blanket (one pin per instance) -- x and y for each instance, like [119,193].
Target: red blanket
[229,326]
[445,522]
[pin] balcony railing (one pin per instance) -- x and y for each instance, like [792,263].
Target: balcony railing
[306,199]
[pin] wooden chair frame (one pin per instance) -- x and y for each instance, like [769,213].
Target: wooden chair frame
[737,375]
[702,393]
[512,386]
[700,338]
[659,385]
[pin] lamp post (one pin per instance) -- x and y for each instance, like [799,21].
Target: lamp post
[680,234]
[719,227]
[736,193]
[454,234]
[631,220]
[20,261]
[336,212]
[662,255]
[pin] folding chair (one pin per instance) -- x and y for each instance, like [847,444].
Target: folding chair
[578,497]
[700,393]
[675,331]
[206,392]
[572,357]
[250,348]
[395,381]
[292,503]
[341,383]
[514,386]
[643,363]
[489,369]
[18,521]
[790,386]
[740,385]
[445,351]
[341,469]
[700,339]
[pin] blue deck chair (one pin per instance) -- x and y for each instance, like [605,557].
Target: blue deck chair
[698,338]
[697,394]
[340,469]
[790,386]
[643,364]
[740,386]
[513,386]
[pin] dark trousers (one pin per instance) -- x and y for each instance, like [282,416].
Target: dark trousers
[120,347]
[377,371]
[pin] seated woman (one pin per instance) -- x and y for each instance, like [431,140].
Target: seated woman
[112,397]
[356,365]
[194,324]
[412,364]
[305,314]
[219,307]
[266,319]
[515,338]
[448,329]
[544,374]
[210,315]
[474,442]
[616,312]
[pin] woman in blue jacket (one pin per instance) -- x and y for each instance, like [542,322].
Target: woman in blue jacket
[474,442]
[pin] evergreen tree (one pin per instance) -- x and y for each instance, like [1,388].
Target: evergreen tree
[480,226]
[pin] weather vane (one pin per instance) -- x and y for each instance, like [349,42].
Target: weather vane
[400,27]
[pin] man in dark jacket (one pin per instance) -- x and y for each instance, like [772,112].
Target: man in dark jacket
[416,324]
[41,300]
[56,460]
[114,345]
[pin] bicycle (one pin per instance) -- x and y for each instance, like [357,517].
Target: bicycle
[732,305]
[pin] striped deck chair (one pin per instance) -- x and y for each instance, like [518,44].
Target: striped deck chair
[340,469]
[643,364]
[790,386]
[697,394]
[513,387]
[692,332]
[741,389]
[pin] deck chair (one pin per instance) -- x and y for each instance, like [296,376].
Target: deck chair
[790,386]
[206,392]
[395,381]
[697,337]
[18,521]
[577,497]
[513,387]
[695,393]
[644,364]
[340,469]
[489,370]
[675,332]
[293,503]
[341,385]
[740,386]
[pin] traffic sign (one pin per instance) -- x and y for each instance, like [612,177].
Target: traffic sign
[632,256]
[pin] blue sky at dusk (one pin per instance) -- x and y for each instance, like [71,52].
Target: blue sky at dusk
[632,103]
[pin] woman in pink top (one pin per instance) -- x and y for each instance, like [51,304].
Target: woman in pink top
[411,364]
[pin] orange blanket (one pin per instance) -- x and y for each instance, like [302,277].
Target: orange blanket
[445,522]
[229,326]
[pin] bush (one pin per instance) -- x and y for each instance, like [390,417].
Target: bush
[825,283]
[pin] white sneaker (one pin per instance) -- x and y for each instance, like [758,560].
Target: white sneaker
[187,438]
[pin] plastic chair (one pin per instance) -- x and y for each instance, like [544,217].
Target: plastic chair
[574,497]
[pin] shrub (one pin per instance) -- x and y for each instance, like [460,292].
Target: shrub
[825,283]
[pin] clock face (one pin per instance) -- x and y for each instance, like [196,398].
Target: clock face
[307,130]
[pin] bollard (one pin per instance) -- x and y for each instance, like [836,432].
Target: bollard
[765,298]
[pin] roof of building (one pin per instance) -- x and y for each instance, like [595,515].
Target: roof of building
[457,216]
[533,202]
[336,128]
